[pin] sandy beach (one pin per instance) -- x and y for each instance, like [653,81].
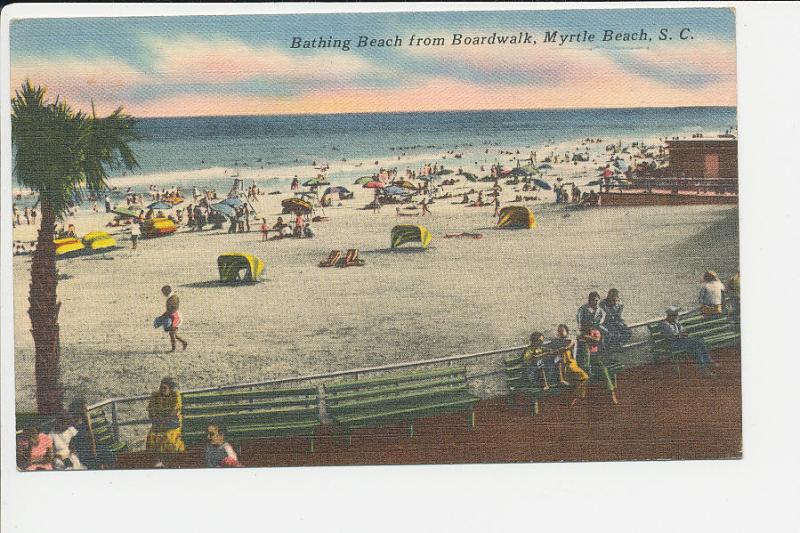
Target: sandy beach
[459,296]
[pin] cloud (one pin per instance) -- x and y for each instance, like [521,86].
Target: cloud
[217,76]
[688,65]
[444,93]
[79,81]
[217,60]
[681,65]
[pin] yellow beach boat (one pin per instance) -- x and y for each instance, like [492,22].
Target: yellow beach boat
[68,247]
[99,241]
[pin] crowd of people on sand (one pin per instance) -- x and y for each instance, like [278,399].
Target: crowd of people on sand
[29,214]
[601,332]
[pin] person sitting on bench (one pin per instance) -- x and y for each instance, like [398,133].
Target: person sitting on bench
[673,331]
[535,358]
[219,453]
[568,365]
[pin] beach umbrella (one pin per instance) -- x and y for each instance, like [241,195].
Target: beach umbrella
[363,180]
[125,212]
[336,189]
[530,169]
[545,166]
[518,172]
[296,205]
[160,205]
[233,201]
[224,209]
[394,190]
[316,182]
[541,184]
[405,184]
[470,176]
[373,185]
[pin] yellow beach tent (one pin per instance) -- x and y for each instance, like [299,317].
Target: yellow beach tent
[99,240]
[410,233]
[68,247]
[158,227]
[232,264]
[516,216]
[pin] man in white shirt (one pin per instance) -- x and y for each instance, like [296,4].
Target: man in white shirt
[136,232]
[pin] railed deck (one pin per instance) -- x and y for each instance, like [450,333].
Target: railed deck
[661,416]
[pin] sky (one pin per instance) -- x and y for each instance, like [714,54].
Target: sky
[245,65]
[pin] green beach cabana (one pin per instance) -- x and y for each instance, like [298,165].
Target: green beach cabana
[410,233]
[231,265]
[516,216]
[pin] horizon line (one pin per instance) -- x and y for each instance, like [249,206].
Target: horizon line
[508,109]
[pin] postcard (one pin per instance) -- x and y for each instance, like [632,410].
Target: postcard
[374,238]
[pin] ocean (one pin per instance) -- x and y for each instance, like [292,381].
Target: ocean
[269,150]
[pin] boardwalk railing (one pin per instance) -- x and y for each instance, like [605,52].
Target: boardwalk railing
[485,372]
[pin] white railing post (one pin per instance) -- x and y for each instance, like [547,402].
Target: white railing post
[114,422]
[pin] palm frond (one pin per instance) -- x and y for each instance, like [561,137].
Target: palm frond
[62,153]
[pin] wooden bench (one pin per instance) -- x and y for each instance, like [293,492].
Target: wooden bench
[518,381]
[715,332]
[252,414]
[402,398]
[102,433]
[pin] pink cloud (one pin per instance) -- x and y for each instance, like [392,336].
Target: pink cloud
[610,89]
[225,60]
[79,81]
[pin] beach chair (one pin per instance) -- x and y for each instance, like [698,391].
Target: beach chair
[332,259]
[351,259]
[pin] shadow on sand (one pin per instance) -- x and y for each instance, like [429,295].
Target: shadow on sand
[396,251]
[210,284]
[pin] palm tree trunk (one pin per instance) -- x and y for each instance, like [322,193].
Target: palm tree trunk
[43,312]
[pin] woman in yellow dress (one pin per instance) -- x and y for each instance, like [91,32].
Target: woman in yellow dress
[568,366]
[164,410]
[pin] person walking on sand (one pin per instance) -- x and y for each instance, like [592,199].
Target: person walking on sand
[497,205]
[136,232]
[172,317]
[425,207]
[33,216]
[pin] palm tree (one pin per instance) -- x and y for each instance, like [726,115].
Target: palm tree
[60,154]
